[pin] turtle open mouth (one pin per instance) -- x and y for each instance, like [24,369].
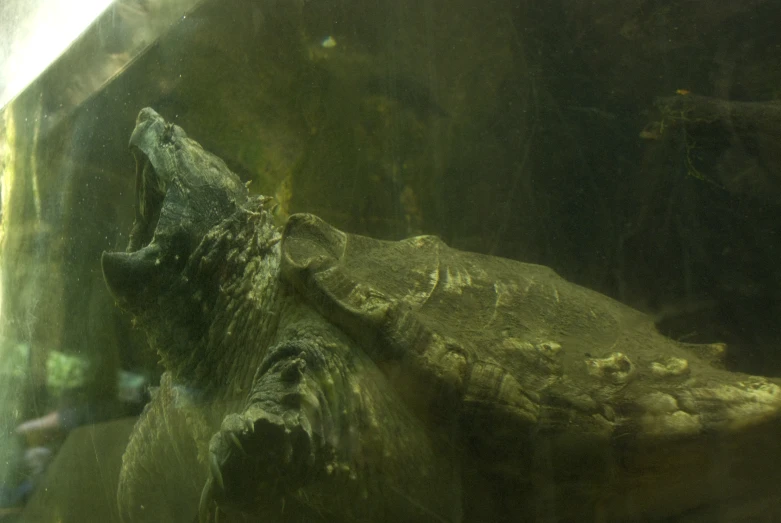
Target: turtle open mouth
[150,193]
[129,273]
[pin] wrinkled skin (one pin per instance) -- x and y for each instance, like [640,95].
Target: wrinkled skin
[314,375]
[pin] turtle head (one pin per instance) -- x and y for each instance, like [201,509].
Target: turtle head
[182,192]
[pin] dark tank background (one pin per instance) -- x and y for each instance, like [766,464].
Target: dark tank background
[630,145]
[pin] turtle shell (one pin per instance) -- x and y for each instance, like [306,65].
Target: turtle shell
[555,391]
[491,344]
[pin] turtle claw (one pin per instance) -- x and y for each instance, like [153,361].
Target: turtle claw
[207,503]
[238,444]
[214,468]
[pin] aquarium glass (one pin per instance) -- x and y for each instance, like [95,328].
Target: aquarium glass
[409,260]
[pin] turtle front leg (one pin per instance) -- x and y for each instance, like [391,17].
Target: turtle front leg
[323,428]
[270,448]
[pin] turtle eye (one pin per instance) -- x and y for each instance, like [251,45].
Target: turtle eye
[167,136]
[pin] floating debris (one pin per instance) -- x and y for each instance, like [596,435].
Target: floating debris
[329,42]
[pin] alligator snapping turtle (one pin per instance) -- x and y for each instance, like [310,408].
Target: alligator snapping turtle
[315,375]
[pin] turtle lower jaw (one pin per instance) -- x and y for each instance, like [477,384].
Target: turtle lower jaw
[131,275]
